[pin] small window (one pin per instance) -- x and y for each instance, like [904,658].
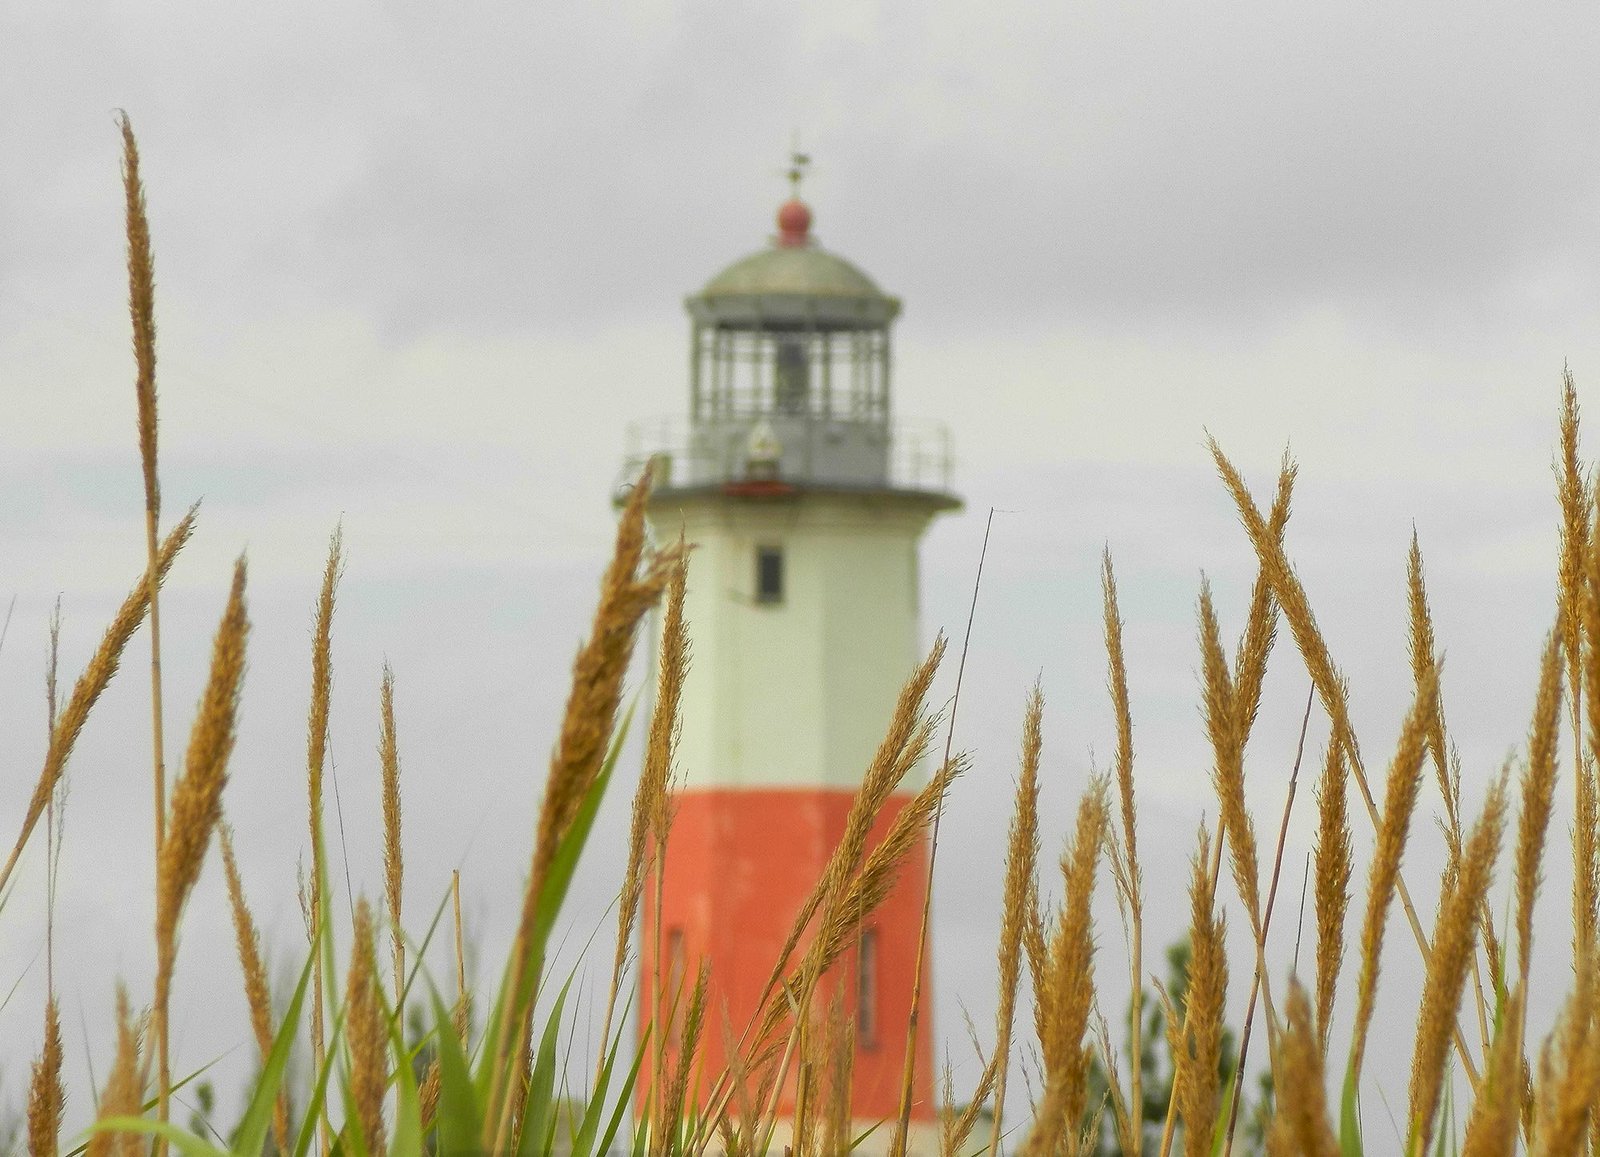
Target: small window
[867,989]
[674,996]
[769,574]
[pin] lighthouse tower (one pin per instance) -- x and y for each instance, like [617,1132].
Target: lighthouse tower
[806,500]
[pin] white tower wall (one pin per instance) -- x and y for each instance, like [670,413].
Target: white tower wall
[796,692]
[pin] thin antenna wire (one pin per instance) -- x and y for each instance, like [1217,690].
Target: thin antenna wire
[6,626]
[344,848]
[897,1143]
[1300,927]
[51,845]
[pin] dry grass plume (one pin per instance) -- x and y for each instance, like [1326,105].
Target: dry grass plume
[87,690]
[631,586]
[393,855]
[197,804]
[652,799]
[1538,799]
[1400,798]
[47,1098]
[368,1034]
[1016,905]
[1334,865]
[124,1092]
[316,758]
[1492,1122]
[1453,940]
[142,313]
[1196,1081]
[1300,1125]
[1124,855]
[258,995]
[1065,993]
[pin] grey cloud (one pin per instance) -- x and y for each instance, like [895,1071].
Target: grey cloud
[524,168]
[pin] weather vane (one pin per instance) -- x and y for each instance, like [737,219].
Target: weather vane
[798,163]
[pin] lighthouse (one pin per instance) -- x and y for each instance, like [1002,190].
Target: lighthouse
[806,498]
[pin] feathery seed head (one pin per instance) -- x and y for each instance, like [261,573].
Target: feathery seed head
[141,309]
[1400,798]
[197,796]
[47,1099]
[393,857]
[1449,959]
[124,1091]
[1334,867]
[368,1034]
[1300,1125]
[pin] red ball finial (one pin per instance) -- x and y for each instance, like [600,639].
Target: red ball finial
[794,224]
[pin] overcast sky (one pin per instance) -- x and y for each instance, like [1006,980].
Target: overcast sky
[419,265]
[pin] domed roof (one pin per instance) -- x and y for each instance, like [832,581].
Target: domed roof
[806,270]
[794,281]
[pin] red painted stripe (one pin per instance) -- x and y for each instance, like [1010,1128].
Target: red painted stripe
[740,863]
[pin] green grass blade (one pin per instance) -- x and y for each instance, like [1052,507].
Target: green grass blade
[407,1140]
[583,1139]
[251,1136]
[319,1094]
[625,1095]
[459,1121]
[1219,1131]
[1349,1118]
[547,908]
[184,1141]
[538,1119]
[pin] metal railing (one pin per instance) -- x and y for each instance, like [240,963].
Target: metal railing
[918,454]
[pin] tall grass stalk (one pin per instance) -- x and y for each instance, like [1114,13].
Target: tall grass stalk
[1330,685]
[897,1143]
[503,1087]
[196,809]
[141,311]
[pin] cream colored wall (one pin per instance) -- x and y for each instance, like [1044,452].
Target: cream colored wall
[797,693]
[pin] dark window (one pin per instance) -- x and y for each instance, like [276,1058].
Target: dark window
[674,996]
[769,574]
[867,989]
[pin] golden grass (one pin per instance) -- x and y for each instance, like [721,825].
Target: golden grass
[1569,1071]
[1300,1125]
[393,854]
[258,996]
[367,1029]
[1225,731]
[197,806]
[1124,855]
[1491,1129]
[1330,685]
[123,1095]
[47,1098]
[1538,800]
[835,1136]
[1064,992]
[316,756]
[631,586]
[87,690]
[1424,659]
[1196,1082]
[1454,935]
[1334,865]
[651,817]
[141,312]
[909,735]
[664,1139]
[789,1028]
[1399,802]
[1016,904]
[1578,615]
